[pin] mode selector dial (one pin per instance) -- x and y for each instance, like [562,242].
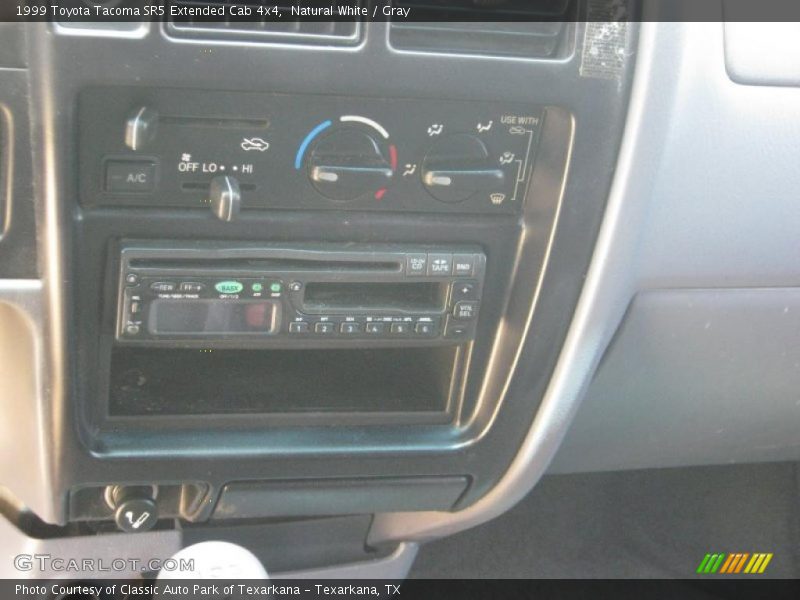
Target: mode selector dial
[348,163]
[457,167]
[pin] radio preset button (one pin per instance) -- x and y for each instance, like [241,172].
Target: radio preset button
[350,327]
[162,286]
[299,327]
[416,264]
[425,328]
[463,264]
[400,328]
[324,327]
[376,327]
[440,264]
[465,310]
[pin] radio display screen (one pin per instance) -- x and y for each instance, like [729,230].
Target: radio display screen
[210,317]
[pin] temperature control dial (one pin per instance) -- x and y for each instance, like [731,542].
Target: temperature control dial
[348,163]
[140,128]
[457,167]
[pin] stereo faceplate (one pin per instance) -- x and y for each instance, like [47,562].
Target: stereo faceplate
[298,296]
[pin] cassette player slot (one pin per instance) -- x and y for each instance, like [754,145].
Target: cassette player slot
[359,296]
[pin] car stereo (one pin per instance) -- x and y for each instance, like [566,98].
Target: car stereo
[297,296]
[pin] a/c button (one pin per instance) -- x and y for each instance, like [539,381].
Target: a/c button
[130,176]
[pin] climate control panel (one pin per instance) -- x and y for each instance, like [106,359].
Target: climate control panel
[228,151]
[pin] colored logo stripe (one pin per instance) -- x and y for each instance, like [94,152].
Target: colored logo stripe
[734,563]
[727,564]
[710,563]
[758,563]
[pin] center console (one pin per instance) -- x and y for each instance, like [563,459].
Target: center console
[304,281]
[388,325]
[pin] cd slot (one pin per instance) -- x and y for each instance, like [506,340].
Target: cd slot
[266,264]
[358,296]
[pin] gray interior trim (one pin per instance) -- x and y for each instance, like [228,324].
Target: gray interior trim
[607,291]
[722,213]
[158,545]
[763,53]
[24,385]
[142,547]
[676,217]
[694,377]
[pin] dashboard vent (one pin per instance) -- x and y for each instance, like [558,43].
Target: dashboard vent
[258,27]
[513,28]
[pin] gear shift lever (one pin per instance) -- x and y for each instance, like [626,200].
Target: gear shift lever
[216,560]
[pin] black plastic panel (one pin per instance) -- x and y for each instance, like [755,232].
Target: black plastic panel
[237,295]
[268,142]
[331,497]
[151,381]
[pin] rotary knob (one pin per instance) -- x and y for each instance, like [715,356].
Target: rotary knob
[457,167]
[140,128]
[225,197]
[347,164]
